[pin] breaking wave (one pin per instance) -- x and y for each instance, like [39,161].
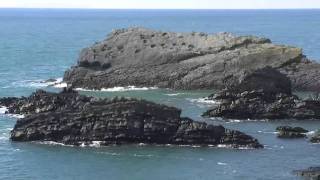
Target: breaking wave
[119,89]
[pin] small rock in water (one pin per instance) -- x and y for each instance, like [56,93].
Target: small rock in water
[291,132]
[312,173]
[316,137]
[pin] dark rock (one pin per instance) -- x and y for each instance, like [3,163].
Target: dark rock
[143,57]
[262,94]
[312,173]
[291,132]
[315,138]
[70,118]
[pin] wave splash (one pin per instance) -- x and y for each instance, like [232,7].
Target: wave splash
[119,89]
[4,111]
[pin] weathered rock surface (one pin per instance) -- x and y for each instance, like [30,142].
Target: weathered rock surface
[70,118]
[312,173]
[143,57]
[263,94]
[291,132]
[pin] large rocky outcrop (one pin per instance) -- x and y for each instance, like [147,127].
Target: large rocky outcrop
[262,94]
[144,57]
[70,118]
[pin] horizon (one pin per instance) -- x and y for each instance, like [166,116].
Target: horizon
[163,4]
[75,8]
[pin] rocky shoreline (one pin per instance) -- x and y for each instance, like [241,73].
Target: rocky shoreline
[74,119]
[149,58]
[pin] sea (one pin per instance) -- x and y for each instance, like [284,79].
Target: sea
[38,44]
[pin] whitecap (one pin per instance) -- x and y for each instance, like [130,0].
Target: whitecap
[222,163]
[174,94]
[119,89]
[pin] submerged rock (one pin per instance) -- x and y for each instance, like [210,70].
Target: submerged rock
[144,57]
[312,173]
[262,94]
[291,132]
[74,119]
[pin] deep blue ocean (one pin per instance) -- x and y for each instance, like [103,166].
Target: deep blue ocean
[38,44]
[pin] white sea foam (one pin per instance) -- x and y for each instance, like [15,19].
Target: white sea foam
[195,146]
[40,83]
[142,155]
[224,146]
[222,163]
[18,116]
[239,121]
[3,109]
[119,89]
[60,85]
[57,84]
[310,133]
[53,143]
[268,132]
[95,144]
[203,101]
[174,94]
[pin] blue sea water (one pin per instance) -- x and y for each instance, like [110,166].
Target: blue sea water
[37,44]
